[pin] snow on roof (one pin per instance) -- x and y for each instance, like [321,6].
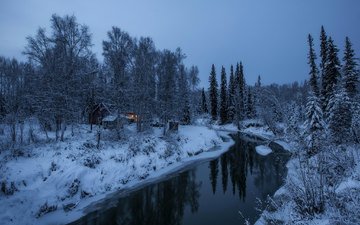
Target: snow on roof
[110,118]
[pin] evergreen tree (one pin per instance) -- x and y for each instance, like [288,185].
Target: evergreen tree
[314,125]
[223,97]
[241,89]
[332,74]
[313,68]
[186,113]
[231,97]
[323,55]
[340,118]
[213,91]
[250,105]
[204,107]
[257,96]
[350,71]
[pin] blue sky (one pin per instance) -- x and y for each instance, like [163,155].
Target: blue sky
[269,37]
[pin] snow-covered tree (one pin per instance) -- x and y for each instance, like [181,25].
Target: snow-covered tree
[350,70]
[223,97]
[240,84]
[313,68]
[323,62]
[204,107]
[340,116]
[332,74]
[143,86]
[183,96]
[213,92]
[63,59]
[232,95]
[250,108]
[119,51]
[167,91]
[315,126]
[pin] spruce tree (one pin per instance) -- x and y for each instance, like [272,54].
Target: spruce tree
[223,97]
[240,84]
[332,74]
[257,96]
[250,105]
[313,68]
[323,55]
[231,97]
[213,91]
[314,125]
[186,113]
[204,107]
[350,71]
[340,117]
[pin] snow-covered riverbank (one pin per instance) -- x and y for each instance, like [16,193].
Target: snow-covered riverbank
[53,182]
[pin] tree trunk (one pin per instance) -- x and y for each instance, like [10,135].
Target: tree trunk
[13,132]
[98,137]
[21,131]
[63,129]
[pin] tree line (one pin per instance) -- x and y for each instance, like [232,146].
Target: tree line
[332,109]
[62,80]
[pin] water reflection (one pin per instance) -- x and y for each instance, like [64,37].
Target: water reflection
[199,195]
[241,159]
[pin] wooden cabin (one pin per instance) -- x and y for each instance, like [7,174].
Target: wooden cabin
[98,113]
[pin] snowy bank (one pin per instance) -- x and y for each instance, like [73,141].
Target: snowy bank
[54,182]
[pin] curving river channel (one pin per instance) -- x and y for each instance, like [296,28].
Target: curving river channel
[221,191]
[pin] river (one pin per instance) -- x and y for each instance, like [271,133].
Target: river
[224,190]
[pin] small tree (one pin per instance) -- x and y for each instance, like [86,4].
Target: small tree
[340,118]
[314,125]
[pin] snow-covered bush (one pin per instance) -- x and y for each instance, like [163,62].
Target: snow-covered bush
[44,209]
[74,188]
[91,161]
[8,189]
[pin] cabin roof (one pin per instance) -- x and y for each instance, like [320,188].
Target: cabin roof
[110,118]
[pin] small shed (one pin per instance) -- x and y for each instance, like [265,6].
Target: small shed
[111,122]
[98,113]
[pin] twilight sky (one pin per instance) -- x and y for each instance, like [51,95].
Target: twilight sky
[268,36]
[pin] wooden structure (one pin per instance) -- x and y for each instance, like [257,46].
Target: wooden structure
[113,122]
[98,113]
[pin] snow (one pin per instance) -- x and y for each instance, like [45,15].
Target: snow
[49,172]
[263,150]
[286,146]
[110,118]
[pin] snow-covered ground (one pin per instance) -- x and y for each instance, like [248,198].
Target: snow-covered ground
[52,182]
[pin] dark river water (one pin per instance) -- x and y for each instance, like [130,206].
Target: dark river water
[221,191]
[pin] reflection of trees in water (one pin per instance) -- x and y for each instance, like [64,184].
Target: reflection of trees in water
[160,204]
[214,171]
[242,158]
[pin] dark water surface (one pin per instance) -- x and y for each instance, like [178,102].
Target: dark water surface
[213,192]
